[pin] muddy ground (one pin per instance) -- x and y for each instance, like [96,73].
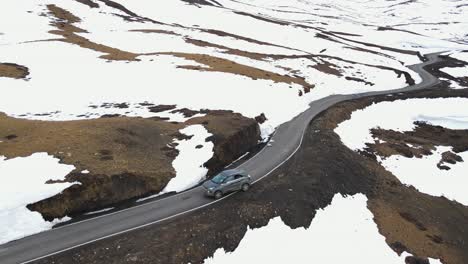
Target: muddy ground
[127,157]
[411,221]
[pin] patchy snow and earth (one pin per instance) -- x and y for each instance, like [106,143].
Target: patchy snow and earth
[193,153]
[456,72]
[463,56]
[427,178]
[422,173]
[189,163]
[453,84]
[183,54]
[400,115]
[23,181]
[327,235]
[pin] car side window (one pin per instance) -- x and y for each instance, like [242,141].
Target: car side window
[229,179]
[237,176]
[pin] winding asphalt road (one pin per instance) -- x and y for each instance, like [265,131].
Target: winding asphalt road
[287,140]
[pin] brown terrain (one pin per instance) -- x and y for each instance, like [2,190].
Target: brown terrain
[15,71]
[423,225]
[419,142]
[128,157]
[64,22]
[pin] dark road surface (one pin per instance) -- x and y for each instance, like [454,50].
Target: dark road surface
[287,140]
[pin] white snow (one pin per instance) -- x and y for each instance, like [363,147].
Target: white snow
[327,240]
[189,163]
[426,177]
[23,181]
[421,173]
[456,72]
[400,115]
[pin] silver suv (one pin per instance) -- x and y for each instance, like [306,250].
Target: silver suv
[227,181]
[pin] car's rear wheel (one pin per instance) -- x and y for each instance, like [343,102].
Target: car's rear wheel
[218,194]
[245,187]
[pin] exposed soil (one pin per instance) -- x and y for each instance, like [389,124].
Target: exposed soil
[327,67]
[158,31]
[14,71]
[234,36]
[227,50]
[203,2]
[349,78]
[411,221]
[89,3]
[217,64]
[448,157]
[64,20]
[319,63]
[161,108]
[128,157]
[417,143]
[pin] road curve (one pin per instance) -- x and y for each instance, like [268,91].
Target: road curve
[287,140]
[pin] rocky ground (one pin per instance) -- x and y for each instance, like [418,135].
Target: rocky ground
[418,143]
[411,221]
[119,158]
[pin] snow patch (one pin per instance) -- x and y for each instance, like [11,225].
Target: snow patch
[457,72]
[328,236]
[189,163]
[23,181]
[424,175]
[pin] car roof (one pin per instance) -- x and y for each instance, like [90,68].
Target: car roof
[233,172]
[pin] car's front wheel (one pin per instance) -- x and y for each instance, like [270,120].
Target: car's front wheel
[218,194]
[245,187]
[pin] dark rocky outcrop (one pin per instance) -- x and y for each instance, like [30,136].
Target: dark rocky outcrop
[448,157]
[95,192]
[419,142]
[229,144]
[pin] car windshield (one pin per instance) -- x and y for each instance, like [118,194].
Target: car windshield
[219,178]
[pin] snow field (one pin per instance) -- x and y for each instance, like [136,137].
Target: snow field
[23,181]
[422,173]
[328,237]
